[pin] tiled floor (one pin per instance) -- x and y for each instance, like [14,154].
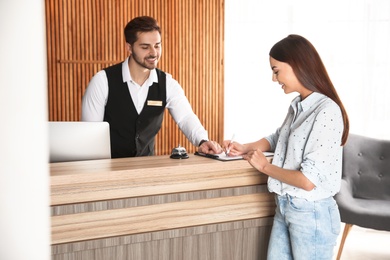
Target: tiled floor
[366,244]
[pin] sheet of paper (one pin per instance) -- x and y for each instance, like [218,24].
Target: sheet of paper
[268,154]
[223,157]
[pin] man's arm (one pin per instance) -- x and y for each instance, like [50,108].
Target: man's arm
[95,98]
[181,111]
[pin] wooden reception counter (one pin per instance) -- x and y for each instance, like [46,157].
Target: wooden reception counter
[159,208]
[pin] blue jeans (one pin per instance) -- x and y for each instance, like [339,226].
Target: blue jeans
[304,229]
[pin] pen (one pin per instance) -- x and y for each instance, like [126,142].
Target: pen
[228,149]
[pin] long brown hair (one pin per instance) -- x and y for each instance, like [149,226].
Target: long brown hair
[307,65]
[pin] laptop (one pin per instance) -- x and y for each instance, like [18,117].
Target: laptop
[77,141]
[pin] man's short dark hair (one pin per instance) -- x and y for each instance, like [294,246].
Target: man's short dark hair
[140,24]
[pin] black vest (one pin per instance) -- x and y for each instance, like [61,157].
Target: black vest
[132,134]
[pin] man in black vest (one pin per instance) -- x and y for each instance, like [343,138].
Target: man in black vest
[132,96]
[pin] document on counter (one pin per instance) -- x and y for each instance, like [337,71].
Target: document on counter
[223,157]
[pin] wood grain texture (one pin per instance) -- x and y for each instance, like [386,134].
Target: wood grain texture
[76,182]
[91,206]
[238,240]
[110,223]
[84,37]
[224,212]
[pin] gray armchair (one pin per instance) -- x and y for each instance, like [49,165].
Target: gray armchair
[364,198]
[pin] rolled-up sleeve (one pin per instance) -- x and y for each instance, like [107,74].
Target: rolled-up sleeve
[273,139]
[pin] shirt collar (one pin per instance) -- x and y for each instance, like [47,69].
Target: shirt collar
[308,102]
[127,77]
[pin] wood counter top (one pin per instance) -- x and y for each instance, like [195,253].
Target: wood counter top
[86,181]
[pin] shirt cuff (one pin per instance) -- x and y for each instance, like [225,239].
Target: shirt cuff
[203,141]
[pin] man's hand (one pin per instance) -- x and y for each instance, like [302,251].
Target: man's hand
[210,147]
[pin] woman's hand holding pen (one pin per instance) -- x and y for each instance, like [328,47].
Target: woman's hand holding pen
[232,148]
[255,157]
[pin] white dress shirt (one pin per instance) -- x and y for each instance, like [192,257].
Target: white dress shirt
[96,94]
[309,141]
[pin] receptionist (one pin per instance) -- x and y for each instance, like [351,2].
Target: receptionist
[132,96]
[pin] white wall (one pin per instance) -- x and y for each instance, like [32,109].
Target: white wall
[24,185]
[352,37]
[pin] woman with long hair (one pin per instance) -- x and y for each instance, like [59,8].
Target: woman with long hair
[305,172]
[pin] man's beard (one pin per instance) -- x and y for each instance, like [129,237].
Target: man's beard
[143,63]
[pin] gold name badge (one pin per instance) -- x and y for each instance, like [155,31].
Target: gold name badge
[155,103]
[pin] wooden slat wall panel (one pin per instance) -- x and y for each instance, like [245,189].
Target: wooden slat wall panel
[84,37]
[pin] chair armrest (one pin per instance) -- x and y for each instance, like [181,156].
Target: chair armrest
[344,198]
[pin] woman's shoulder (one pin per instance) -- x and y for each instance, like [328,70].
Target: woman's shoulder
[327,105]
